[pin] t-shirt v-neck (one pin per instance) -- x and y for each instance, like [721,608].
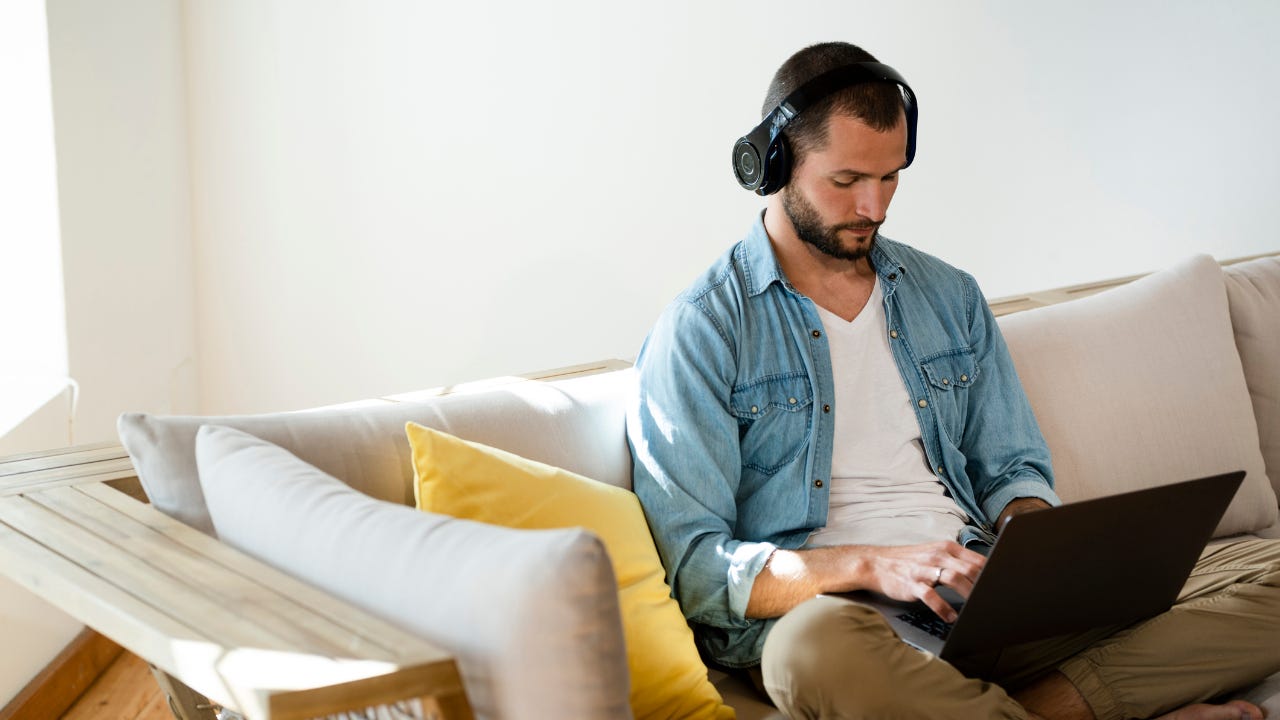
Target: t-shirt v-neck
[883,491]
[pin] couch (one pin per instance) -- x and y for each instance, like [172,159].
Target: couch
[1171,376]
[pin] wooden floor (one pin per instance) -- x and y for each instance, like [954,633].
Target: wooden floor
[126,691]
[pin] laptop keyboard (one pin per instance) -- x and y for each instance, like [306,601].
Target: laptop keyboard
[927,621]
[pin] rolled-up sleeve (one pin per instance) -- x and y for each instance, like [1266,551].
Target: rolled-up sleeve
[1006,454]
[687,465]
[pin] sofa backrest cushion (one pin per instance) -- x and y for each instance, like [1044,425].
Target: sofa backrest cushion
[576,424]
[530,615]
[1141,385]
[1253,290]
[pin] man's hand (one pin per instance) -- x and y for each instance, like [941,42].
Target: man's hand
[1017,507]
[914,572]
[906,573]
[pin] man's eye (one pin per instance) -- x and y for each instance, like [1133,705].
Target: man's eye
[842,183]
[891,178]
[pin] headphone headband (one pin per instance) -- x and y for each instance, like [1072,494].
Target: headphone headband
[761,159]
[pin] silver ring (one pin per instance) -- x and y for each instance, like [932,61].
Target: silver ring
[938,579]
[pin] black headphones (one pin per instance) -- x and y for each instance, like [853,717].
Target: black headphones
[762,160]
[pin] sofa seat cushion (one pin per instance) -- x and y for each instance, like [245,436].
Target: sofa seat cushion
[576,424]
[1142,385]
[1253,290]
[478,482]
[531,616]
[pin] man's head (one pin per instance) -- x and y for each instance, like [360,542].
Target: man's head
[877,104]
[846,151]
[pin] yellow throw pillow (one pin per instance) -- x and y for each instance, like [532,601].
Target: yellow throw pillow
[469,480]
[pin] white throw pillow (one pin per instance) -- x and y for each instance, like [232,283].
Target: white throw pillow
[531,615]
[575,424]
[1140,386]
[1253,289]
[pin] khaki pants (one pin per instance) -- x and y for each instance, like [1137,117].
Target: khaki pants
[833,658]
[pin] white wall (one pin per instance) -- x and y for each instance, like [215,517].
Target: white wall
[31,305]
[119,96]
[33,348]
[389,195]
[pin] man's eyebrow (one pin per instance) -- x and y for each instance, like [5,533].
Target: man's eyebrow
[863,174]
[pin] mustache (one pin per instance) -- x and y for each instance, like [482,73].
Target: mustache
[868,225]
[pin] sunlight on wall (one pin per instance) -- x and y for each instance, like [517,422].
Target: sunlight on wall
[33,338]
[32,324]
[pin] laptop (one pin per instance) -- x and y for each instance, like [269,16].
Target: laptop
[1108,562]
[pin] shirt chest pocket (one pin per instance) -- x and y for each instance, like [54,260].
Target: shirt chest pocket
[774,420]
[951,375]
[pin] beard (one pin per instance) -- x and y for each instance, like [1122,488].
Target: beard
[825,238]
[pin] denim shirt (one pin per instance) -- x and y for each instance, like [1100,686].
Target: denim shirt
[731,429]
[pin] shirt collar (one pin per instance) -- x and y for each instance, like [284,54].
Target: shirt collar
[884,259]
[758,260]
[762,270]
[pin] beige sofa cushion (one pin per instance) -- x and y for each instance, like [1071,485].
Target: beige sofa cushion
[575,424]
[554,649]
[1142,385]
[1253,290]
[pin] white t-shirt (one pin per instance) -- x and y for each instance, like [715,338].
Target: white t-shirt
[883,491]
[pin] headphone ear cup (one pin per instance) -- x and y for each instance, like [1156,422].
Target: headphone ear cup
[777,166]
[748,166]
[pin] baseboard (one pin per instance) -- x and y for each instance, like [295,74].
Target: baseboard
[63,681]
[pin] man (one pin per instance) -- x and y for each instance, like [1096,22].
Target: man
[826,410]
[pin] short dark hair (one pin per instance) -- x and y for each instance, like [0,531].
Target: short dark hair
[878,104]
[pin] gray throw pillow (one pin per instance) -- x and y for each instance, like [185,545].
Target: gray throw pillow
[531,615]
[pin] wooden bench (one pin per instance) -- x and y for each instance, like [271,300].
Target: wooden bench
[233,629]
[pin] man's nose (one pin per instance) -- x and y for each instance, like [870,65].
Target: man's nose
[873,202]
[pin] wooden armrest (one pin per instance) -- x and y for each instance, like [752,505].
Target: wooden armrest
[237,630]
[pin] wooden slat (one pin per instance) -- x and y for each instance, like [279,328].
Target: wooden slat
[189,600]
[316,600]
[60,457]
[553,374]
[97,472]
[1013,305]
[54,452]
[1053,296]
[247,675]
[387,690]
[220,583]
[141,628]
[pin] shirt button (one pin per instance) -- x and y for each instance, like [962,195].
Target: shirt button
[817,333]
[817,483]
[945,381]
[791,400]
[755,409]
[893,276]
[826,408]
[940,470]
[893,334]
[924,403]
[964,378]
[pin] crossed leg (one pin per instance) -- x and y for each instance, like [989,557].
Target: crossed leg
[1055,698]
[832,658]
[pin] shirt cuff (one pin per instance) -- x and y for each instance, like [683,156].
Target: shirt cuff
[746,562]
[1032,486]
